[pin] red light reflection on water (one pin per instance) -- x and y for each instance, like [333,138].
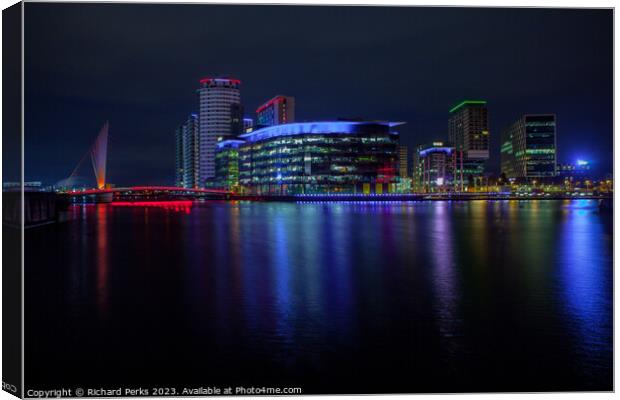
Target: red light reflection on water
[183,206]
[102,262]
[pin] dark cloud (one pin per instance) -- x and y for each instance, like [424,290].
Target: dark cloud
[138,66]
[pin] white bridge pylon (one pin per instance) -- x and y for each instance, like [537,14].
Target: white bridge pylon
[98,154]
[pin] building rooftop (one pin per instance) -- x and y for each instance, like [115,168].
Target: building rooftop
[318,127]
[220,79]
[270,102]
[435,147]
[234,143]
[466,103]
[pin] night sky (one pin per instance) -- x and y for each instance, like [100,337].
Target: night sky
[138,66]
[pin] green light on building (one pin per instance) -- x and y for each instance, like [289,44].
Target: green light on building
[467,102]
[507,147]
[540,151]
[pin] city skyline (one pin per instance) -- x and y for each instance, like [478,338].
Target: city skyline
[147,109]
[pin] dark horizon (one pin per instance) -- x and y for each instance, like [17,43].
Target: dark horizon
[138,66]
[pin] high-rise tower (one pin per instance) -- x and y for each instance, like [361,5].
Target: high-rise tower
[529,147]
[219,116]
[187,144]
[468,130]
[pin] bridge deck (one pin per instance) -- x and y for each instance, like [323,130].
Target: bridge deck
[148,189]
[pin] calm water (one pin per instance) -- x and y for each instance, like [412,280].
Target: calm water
[339,298]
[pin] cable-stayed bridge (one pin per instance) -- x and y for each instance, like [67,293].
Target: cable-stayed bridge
[97,153]
[76,185]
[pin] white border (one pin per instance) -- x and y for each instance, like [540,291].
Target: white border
[478,3]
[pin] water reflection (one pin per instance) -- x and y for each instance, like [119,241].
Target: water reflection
[444,275]
[584,270]
[184,206]
[350,297]
[283,269]
[102,260]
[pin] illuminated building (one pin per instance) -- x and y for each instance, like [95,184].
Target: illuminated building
[528,147]
[248,125]
[403,161]
[279,110]
[468,131]
[186,160]
[227,164]
[220,118]
[320,157]
[435,167]
[580,169]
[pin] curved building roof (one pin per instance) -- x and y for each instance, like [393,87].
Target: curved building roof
[319,127]
[230,143]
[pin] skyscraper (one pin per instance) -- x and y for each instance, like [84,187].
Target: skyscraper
[220,118]
[279,110]
[468,131]
[187,145]
[178,157]
[529,147]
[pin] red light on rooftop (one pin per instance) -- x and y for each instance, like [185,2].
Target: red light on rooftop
[269,103]
[231,80]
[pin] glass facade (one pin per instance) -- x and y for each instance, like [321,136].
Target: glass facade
[540,145]
[320,157]
[227,164]
[528,147]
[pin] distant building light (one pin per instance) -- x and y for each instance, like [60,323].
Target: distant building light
[440,181]
[582,162]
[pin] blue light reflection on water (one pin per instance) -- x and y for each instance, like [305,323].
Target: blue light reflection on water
[584,271]
[515,293]
[282,273]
